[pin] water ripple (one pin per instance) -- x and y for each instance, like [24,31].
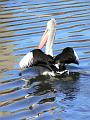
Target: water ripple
[22,24]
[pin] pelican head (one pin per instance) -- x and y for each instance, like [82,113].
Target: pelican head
[48,37]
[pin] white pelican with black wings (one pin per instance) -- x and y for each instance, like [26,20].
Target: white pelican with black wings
[50,64]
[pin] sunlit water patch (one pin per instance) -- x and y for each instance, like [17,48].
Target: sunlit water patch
[34,97]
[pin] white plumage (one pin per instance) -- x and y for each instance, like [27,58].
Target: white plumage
[27,60]
[77,58]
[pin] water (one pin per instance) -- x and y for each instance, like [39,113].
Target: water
[26,97]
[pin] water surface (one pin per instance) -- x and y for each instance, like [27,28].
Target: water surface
[26,97]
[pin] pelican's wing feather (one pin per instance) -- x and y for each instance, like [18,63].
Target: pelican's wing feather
[67,56]
[35,58]
[27,60]
[41,58]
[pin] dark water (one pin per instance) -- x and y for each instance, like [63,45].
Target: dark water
[43,98]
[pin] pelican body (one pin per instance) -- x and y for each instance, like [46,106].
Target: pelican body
[50,64]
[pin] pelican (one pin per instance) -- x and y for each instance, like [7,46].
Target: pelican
[46,62]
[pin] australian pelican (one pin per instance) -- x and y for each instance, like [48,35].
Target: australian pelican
[50,64]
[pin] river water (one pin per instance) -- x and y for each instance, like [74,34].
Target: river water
[22,23]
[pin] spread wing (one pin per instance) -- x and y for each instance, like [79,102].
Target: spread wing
[36,58]
[67,56]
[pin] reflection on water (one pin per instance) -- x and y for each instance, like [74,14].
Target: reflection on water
[42,97]
[43,84]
